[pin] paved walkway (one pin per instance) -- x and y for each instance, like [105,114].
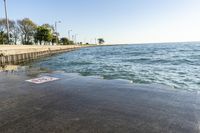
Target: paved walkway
[76,104]
[20,49]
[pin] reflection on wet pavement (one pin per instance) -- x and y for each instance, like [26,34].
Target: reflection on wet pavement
[76,104]
[8,68]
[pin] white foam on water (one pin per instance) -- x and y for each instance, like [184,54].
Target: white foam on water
[41,80]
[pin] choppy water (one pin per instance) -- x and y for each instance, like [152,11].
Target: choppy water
[175,64]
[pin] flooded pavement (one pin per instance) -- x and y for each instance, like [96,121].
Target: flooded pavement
[76,104]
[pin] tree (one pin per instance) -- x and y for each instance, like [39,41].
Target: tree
[43,34]
[14,32]
[54,39]
[71,42]
[50,27]
[101,41]
[65,41]
[2,24]
[3,37]
[3,30]
[28,29]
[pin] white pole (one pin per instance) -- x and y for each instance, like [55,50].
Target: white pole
[56,32]
[7,22]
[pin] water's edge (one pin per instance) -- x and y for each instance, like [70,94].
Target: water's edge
[174,65]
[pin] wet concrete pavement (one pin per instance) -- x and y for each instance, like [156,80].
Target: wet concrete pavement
[76,104]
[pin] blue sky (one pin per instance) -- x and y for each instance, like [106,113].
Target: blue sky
[117,21]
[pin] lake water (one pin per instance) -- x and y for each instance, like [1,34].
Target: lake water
[173,64]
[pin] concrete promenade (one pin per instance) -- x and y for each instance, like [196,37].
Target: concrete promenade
[14,54]
[76,104]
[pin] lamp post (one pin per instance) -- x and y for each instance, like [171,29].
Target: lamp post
[56,32]
[69,36]
[7,23]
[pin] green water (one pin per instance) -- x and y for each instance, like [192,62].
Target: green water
[173,64]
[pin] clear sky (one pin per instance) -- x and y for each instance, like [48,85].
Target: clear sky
[117,21]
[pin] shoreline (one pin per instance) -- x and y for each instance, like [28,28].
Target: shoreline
[75,103]
[15,54]
[37,71]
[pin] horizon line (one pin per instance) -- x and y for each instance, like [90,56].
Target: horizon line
[154,43]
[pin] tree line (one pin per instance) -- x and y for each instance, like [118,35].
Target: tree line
[27,32]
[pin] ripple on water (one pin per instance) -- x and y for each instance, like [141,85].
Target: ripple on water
[175,65]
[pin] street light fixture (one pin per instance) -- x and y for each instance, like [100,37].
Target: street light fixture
[7,23]
[56,32]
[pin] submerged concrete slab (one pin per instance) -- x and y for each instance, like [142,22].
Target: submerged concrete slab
[76,104]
